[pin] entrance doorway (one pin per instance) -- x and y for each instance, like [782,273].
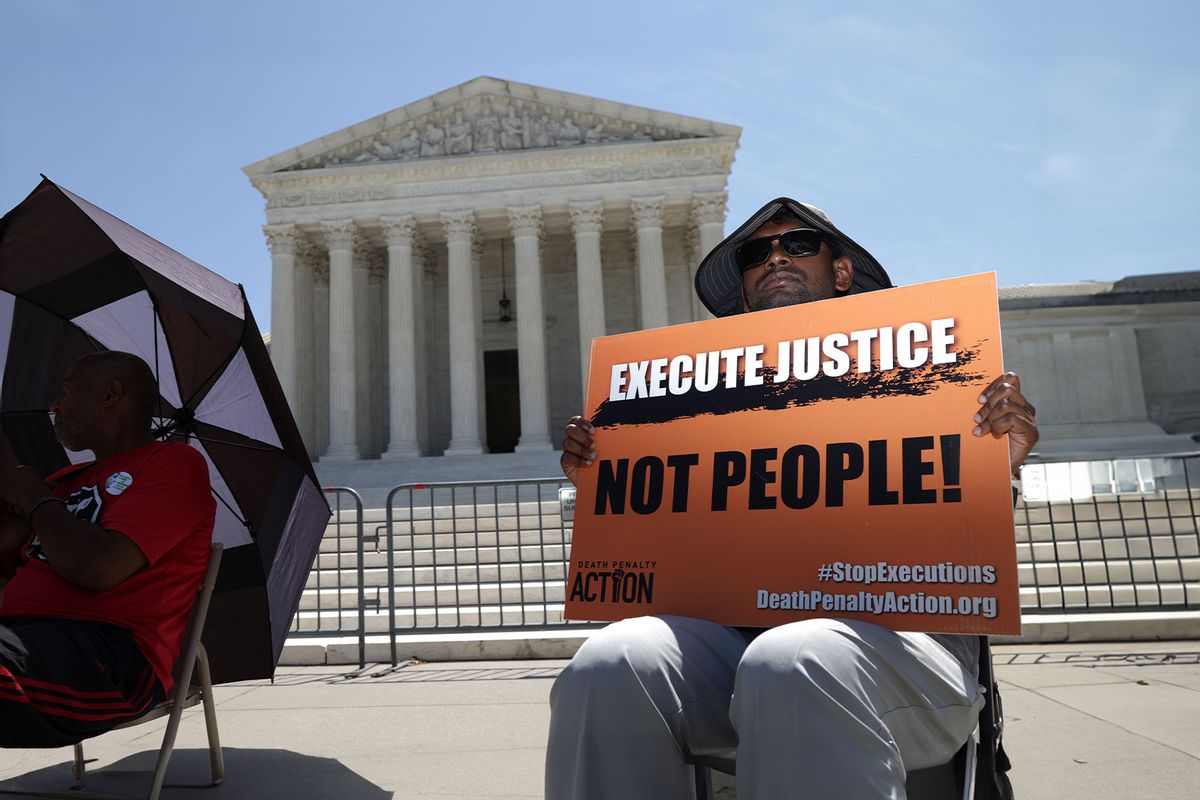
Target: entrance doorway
[503,399]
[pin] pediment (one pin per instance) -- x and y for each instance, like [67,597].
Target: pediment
[488,116]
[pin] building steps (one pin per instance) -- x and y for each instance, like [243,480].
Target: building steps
[498,558]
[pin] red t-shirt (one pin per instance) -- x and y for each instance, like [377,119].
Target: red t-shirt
[158,496]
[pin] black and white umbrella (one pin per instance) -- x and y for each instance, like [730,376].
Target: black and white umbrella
[75,279]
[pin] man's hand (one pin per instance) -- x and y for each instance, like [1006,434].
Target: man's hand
[577,448]
[1006,411]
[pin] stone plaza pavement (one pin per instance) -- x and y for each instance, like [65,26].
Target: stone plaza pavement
[1084,721]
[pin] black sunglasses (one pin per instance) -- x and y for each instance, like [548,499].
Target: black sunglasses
[798,243]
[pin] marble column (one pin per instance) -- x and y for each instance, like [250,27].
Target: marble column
[402,337]
[459,227]
[283,239]
[343,376]
[652,273]
[526,224]
[708,214]
[376,351]
[362,344]
[587,221]
[321,354]
[477,271]
[305,407]
[424,270]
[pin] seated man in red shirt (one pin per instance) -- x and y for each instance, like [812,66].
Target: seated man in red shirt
[100,562]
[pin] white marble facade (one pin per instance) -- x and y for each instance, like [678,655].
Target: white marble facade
[392,242]
[1113,367]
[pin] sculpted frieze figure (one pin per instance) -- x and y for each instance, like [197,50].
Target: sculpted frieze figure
[512,131]
[383,150]
[568,133]
[458,142]
[378,150]
[637,134]
[539,133]
[494,125]
[487,129]
[409,145]
[433,143]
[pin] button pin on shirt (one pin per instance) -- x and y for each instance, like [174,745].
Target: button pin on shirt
[118,482]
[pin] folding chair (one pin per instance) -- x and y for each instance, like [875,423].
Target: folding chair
[986,763]
[192,662]
[193,684]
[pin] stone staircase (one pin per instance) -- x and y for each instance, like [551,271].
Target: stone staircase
[458,567]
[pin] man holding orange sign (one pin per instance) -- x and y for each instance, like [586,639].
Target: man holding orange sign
[834,704]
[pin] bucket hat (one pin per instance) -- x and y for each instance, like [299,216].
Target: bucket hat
[719,281]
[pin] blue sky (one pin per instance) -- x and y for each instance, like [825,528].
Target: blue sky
[1048,141]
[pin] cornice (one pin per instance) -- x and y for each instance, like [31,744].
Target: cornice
[613,159]
[355,189]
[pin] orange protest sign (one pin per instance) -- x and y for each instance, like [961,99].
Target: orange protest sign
[809,461]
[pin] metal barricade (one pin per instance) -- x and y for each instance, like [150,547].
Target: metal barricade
[334,601]
[1113,535]
[477,555]
[493,555]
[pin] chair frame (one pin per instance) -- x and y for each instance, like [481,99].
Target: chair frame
[193,678]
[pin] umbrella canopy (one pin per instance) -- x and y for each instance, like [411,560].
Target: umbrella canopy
[75,279]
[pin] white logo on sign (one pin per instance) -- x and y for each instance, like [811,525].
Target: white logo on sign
[118,482]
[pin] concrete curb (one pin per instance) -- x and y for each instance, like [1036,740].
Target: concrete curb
[537,644]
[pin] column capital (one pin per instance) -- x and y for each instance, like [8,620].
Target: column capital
[364,254]
[587,216]
[525,220]
[308,255]
[423,252]
[709,207]
[320,270]
[376,265]
[647,211]
[339,234]
[399,229]
[691,243]
[281,239]
[459,224]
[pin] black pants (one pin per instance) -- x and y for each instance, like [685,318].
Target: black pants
[62,681]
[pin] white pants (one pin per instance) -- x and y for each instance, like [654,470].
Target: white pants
[822,708]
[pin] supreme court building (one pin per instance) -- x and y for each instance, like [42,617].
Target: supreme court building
[439,271]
